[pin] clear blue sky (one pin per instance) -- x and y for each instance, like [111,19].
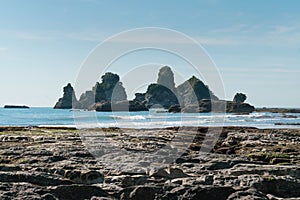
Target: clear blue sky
[255,44]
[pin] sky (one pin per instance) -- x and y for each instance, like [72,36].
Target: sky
[254,44]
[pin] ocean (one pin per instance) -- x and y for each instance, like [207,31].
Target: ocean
[145,119]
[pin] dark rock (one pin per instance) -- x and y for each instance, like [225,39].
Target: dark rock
[194,90]
[175,108]
[119,106]
[233,107]
[279,187]
[67,192]
[208,193]
[160,95]
[278,110]
[248,194]
[110,89]
[37,179]
[68,99]
[288,124]
[219,165]
[15,106]
[239,98]
[143,193]
[139,97]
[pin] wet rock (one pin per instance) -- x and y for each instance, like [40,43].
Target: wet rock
[248,194]
[279,187]
[143,193]
[41,179]
[208,193]
[67,192]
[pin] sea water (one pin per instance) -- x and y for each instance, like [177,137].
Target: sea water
[143,119]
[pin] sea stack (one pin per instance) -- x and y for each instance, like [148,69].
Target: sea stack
[66,102]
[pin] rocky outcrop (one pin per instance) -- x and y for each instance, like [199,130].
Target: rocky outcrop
[166,78]
[239,98]
[160,96]
[244,163]
[278,110]
[206,105]
[237,107]
[191,96]
[68,99]
[109,90]
[194,90]
[107,106]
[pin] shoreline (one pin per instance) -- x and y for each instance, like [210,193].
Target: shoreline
[73,127]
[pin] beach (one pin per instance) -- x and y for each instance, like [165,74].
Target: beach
[67,163]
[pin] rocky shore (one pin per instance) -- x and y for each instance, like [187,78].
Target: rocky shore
[244,163]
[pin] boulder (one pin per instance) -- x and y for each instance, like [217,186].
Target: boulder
[109,90]
[143,193]
[208,193]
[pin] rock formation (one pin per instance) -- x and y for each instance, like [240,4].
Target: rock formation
[191,96]
[239,98]
[68,99]
[194,90]
[160,96]
[166,78]
[163,93]
[109,90]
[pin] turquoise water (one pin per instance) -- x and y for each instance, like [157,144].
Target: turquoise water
[145,119]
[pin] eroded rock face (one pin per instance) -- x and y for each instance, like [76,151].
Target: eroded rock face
[68,99]
[161,96]
[163,93]
[194,90]
[166,78]
[110,89]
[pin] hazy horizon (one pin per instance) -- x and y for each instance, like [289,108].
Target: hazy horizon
[255,45]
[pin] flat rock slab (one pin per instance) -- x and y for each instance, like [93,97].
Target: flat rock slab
[59,163]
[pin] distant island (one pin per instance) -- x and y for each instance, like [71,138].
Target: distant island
[192,96]
[16,106]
